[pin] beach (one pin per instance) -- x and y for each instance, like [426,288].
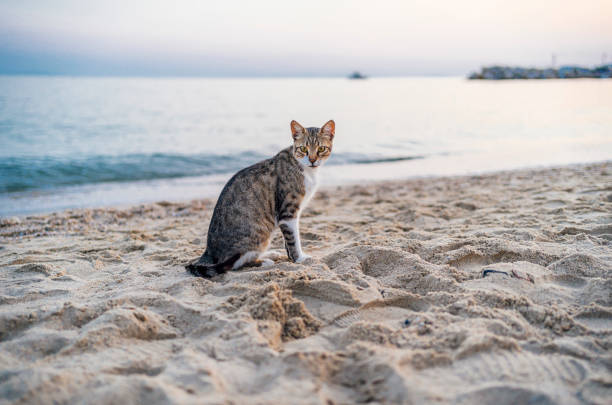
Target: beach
[482,289]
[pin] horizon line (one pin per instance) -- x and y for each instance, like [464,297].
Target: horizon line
[208,76]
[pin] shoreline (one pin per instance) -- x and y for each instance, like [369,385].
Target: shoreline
[208,187]
[396,306]
[603,71]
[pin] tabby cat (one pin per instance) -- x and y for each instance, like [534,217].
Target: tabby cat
[260,197]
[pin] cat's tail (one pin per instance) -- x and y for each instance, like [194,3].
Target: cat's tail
[204,267]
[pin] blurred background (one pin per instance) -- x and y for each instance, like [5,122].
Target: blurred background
[116,103]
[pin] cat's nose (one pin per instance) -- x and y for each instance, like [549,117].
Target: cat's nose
[312,159]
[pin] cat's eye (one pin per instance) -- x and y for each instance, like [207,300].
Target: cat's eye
[322,149]
[304,150]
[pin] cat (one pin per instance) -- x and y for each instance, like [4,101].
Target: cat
[258,198]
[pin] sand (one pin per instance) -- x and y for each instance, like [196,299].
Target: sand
[96,307]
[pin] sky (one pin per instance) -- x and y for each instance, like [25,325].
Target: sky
[297,38]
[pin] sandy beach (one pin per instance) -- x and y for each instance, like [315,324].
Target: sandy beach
[489,289]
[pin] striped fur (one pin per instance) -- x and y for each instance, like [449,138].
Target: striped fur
[260,197]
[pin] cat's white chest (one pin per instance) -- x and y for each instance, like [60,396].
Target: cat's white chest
[311,181]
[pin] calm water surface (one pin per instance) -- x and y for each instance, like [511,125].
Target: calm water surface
[75,142]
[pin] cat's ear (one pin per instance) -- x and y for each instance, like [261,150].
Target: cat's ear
[329,129]
[296,129]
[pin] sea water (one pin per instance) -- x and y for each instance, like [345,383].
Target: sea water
[69,142]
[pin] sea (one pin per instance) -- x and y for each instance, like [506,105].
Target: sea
[73,142]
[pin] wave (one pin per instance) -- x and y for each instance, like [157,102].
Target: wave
[31,173]
[387,159]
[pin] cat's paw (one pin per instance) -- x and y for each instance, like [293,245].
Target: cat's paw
[272,255]
[267,263]
[302,258]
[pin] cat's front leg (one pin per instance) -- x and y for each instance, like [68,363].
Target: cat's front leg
[291,232]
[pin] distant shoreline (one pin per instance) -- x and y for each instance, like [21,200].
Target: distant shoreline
[521,73]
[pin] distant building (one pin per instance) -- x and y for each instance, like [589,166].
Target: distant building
[564,72]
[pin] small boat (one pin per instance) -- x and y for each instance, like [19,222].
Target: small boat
[357,75]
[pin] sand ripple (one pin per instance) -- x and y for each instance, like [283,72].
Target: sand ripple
[95,306]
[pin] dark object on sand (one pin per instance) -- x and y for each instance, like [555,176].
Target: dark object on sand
[523,276]
[486,272]
[513,273]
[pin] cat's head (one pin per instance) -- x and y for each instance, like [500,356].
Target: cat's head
[312,146]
